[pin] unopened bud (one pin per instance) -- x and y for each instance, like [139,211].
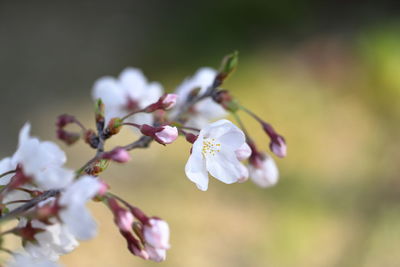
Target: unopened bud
[156,233]
[68,137]
[277,144]
[162,135]
[103,188]
[113,127]
[165,102]
[91,138]
[99,113]
[64,120]
[167,135]
[122,217]
[228,65]
[169,100]
[263,171]
[118,154]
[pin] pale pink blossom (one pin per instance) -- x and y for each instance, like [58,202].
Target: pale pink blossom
[41,161]
[74,214]
[129,92]
[205,110]
[214,151]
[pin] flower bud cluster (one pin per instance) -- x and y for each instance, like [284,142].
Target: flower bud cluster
[147,238]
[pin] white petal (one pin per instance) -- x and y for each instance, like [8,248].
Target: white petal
[233,139]
[54,154]
[108,90]
[210,110]
[195,170]
[151,94]
[6,165]
[219,128]
[133,82]
[224,166]
[24,133]
[25,260]
[75,215]
[54,178]
[79,222]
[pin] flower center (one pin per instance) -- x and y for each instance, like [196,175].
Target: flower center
[210,147]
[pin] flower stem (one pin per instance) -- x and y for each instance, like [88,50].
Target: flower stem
[132,113]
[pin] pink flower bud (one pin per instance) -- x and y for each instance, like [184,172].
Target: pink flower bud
[119,155]
[263,171]
[64,119]
[103,188]
[243,152]
[278,146]
[124,220]
[68,137]
[134,245]
[156,233]
[122,217]
[167,135]
[169,101]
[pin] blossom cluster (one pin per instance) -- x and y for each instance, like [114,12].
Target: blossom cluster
[48,200]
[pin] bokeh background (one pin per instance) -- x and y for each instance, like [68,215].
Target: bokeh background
[325,73]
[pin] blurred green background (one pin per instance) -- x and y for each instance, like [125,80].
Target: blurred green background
[325,73]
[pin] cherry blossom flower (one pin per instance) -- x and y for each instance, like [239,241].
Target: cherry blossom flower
[74,214]
[205,110]
[42,161]
[26,260]
[129,92]
[263,171]
[214,151]
[53,241]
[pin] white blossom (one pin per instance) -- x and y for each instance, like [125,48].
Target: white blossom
[26,260]
[42,161]
[204,111]
[264,172]
[214,151]
[74,214]
[54,241]
[130,91]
